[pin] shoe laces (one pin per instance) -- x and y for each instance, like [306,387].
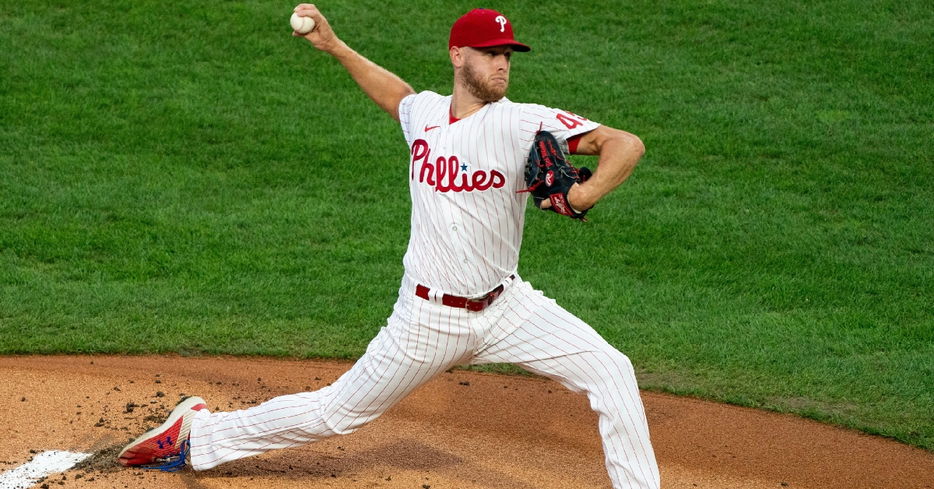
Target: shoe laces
[173,463]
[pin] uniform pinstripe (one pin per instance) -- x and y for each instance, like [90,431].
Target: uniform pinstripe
[466,234]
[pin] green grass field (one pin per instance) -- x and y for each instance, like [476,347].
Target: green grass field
[190,178]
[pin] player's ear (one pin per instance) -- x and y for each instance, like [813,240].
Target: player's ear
[457,56]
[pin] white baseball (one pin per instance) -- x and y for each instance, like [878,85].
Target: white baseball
[302,25]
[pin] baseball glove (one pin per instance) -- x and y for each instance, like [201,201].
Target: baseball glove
[550,176]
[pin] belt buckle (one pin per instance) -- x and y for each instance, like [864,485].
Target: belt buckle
[481,303]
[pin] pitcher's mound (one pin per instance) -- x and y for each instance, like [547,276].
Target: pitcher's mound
[463,430]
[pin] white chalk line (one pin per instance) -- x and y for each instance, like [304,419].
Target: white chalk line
[42,465]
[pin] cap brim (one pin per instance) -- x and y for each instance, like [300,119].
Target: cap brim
[515,45]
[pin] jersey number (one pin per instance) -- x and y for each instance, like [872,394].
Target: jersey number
[571,120]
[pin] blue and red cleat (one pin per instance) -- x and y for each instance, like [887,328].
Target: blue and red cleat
[165,447]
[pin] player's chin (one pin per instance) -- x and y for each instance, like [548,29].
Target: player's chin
[496,91]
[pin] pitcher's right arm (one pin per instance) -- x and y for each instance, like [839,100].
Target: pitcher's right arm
[381,85]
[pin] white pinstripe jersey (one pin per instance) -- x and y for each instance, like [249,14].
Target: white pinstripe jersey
[467,216]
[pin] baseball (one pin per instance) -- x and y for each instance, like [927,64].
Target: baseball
[302,25]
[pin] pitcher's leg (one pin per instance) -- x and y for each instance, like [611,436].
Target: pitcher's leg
[553,342]
[608,380]
[403,356]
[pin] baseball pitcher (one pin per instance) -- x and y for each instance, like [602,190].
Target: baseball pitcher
[474,158]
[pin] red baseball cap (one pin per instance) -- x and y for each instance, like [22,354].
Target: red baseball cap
[483,28]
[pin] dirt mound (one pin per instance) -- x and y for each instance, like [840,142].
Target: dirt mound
[463,430]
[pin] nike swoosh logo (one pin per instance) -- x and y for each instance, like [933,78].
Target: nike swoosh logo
[428,128]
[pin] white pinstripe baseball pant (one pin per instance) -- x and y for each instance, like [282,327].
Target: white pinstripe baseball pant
[424,338]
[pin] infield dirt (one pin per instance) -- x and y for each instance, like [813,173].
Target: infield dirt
[463,430]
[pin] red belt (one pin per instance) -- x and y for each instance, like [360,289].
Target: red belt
[475,304]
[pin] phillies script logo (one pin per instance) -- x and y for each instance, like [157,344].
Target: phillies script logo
[447,174]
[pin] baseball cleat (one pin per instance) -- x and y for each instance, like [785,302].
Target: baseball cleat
[168,444]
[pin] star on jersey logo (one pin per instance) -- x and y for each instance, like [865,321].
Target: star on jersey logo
[464,167]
